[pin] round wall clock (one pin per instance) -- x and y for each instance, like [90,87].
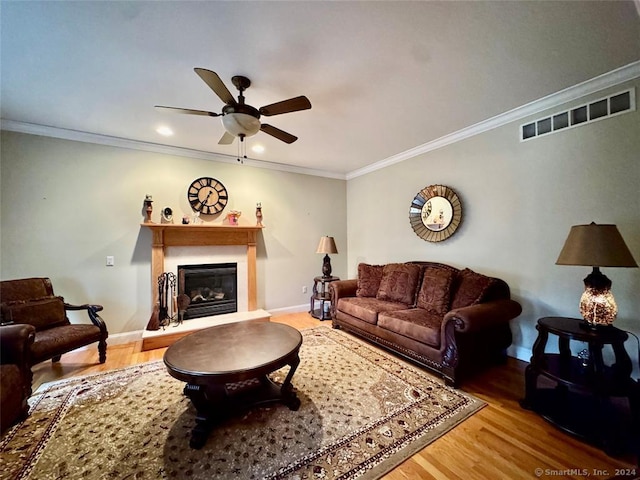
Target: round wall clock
[435,213]
[207,195]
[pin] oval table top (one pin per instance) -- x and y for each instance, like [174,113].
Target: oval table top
[232,352]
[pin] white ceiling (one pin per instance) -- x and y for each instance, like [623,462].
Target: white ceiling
[383,77]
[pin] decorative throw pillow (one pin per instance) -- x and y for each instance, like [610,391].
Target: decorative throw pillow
[399,283]
[471,289]
[42,313]
[369,277]
[435,292]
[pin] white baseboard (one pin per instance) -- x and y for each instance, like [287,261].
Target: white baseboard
[124,337]
[292,309]
[521,353]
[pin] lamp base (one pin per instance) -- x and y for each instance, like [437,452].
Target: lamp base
[597,305]
[326,266]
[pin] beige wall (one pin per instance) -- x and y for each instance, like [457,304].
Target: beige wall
[519,201]
[66,205]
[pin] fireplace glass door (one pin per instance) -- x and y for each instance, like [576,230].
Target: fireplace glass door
[212,288]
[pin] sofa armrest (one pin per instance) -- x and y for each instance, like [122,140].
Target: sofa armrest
[483,315]
[341,289]
[15,344]
[92,311]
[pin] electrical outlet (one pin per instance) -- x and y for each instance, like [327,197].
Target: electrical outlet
[304,289]
[111,261]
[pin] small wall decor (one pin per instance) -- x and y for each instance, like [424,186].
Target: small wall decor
[435,213]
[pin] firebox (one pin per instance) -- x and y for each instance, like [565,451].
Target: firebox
[212,288]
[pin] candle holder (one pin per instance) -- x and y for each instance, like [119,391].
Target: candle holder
[148,208]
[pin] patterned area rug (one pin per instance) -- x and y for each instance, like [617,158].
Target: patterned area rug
[363,412]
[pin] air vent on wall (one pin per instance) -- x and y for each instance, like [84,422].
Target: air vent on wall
[616,104]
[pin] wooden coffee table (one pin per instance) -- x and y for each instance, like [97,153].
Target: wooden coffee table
[226,369]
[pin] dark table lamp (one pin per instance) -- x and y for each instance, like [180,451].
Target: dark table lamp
[327,245]
[596,246]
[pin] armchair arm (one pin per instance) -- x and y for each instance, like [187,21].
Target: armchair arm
[15,343]
[92,311]
[482,315]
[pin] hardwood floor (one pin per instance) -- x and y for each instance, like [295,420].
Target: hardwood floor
[501,441]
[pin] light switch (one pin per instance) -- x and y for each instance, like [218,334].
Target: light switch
[111,261]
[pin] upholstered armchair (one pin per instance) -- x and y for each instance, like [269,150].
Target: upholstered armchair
[15,373]
[32,301]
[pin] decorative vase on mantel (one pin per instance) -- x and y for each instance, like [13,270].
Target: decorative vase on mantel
[148,208]
[232,217]
[259,214]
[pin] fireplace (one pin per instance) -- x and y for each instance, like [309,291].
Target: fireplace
[212,288]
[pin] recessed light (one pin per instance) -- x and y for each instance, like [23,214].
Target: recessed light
[258,148]
[164,131]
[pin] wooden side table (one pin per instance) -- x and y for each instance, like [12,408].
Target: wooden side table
[320,307]
[581,402]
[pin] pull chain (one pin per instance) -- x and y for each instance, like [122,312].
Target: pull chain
[242,149]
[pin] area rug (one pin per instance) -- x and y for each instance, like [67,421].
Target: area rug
[363,412]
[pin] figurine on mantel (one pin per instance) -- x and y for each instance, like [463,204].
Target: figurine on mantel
[232,217]
[148,208]
[259,214]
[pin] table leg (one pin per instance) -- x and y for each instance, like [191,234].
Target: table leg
[289,397]
[204,402]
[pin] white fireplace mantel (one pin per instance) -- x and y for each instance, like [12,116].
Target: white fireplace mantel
[178,235]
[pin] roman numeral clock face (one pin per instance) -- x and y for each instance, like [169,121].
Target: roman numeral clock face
[207,195]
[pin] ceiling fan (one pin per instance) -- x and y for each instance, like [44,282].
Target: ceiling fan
[239,119]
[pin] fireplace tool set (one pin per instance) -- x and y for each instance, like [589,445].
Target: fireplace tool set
[169,307]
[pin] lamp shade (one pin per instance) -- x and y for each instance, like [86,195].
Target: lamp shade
[596,246]
[327,245]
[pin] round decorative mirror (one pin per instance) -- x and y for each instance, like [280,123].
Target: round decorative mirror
[435,213]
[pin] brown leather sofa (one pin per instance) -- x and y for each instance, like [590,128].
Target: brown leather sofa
[15,373]
[451,321]
[32,301]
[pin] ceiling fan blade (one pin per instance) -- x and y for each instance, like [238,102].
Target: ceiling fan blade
[213,80]
[188,111]
[279,134]
[286,106]
[226,139]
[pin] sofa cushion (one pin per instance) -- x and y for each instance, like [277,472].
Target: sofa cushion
[369,277]
[25,289]
[472,288]
[435,292]
[42,313]
[399,283]
[61,339]
[415,323]
[367,308]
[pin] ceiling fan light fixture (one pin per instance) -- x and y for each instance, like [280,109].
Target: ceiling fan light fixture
[241,124]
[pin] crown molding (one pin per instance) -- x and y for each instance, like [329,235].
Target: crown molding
[86,137]
[588,87]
